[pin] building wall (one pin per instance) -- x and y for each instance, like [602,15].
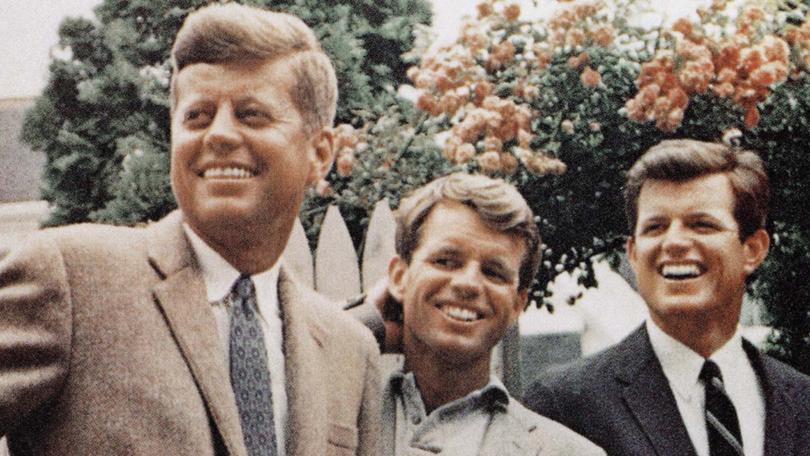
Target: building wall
[20,167]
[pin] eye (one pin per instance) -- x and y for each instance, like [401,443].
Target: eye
[497,274]
[652,228]
[253,116]
[446,262]
[705,226]
[196,117]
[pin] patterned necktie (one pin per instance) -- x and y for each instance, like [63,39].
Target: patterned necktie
[721,417]
[250,377]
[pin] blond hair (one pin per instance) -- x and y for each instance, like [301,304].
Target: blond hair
[498,203]
[232,33]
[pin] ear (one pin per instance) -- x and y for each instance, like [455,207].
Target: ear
[321,154]
[397,268]
[755,249]
[630,250]
[520,303]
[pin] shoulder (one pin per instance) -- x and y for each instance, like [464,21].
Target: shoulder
[585,378]
[787,379]
[75,244]
[329,315]
[553,437]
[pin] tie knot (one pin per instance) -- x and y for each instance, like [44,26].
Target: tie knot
[710,371]
[243,287]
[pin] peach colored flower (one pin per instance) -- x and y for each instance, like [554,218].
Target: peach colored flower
[678,98]
[729,55]
[726,75]
[575,37]
[751,117]
[542,58]
[509,163]
[524,138]
[482,90]
[501,54]
[493,143]
[490,162]
[464,153]
[684,26]
[648,94]
[595,126]
[511,12]
[427,103]
[590,78]
[725,89]
[345,164]
[636,111]
[671,121]
[602,36]
[567,126]
[751,59]
[484,9]
[775,48]
[449,104]
[577,62]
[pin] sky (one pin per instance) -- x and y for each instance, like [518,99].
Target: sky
[28,31]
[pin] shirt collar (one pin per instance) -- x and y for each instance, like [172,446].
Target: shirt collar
[493,394]
[681,365]
[219,275]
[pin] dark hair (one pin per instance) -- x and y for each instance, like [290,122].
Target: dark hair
[231,33]
[498,203]
[684,159]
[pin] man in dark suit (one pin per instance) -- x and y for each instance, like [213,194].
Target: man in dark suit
[188,337]
[685,383]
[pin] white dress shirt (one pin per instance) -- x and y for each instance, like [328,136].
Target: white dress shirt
[682,368]
[219,277]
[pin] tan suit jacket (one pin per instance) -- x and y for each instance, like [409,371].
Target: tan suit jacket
[108,346]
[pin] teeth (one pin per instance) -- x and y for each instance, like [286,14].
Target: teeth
[680,271]
[231,173]
[460,314]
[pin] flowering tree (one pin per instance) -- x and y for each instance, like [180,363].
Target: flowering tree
[563,106]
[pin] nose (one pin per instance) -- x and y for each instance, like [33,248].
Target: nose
[676,239]
[223,134]
[466,282]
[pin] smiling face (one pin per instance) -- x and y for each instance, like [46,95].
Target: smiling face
[689,261]
[460,290]
[241,155]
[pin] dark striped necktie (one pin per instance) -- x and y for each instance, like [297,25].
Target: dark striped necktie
[250,377]
[721,418]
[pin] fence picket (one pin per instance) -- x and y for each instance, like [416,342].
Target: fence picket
[379,244]
[337,270]
[297,256]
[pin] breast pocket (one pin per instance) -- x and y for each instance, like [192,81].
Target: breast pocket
[342,440]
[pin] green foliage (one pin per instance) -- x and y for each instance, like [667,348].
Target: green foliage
[103,119]
[399,155]
[586,123]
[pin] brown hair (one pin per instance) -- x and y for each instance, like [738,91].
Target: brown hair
[685,159]
[231,33]
[498,203]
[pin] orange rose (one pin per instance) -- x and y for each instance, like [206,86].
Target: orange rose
[590,78]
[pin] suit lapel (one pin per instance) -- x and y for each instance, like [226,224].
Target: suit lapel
[780,419]
[649,397]
[304,337]
[181,296]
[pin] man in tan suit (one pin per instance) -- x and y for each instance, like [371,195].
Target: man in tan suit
[136,340]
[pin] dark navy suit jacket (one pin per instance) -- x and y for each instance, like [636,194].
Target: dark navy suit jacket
[621,400]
